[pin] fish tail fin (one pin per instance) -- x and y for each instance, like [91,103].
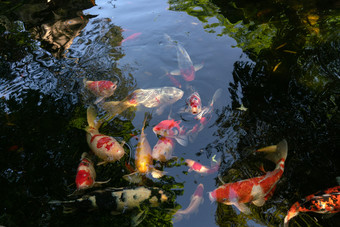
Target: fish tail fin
[281,152]
[169,39]
[84,82]
[178,216]
[134,177]
[216,95]
[293,211]
[277,152]
[114,108]
[91,118]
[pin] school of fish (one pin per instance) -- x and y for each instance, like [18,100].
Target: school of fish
[241,194]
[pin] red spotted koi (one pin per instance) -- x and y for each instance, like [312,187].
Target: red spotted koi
[163,149]
[199,168]
[102,89]
[105,147]
[171,129]
[322,202]
[256,190]
[86,175]
[204,116]
[195,201]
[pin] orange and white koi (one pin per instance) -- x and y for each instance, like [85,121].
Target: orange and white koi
[322,202]
[255,190]
[199,168]
[143,160]
[150,98]
[102,89]
[105,147]
[163,149]
[171,129]
[185,65]
[195,201]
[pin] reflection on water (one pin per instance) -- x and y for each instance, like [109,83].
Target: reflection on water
[287,86]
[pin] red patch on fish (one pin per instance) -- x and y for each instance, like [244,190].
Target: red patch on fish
[188,74]
[197,166]
[93,137]
[105,141]
[84,177]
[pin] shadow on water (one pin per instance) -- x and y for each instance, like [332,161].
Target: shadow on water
[290,87]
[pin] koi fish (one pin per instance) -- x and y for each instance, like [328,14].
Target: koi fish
[254,190]
[195,201]
[105,147]
[185,65]
[86,175]
[116,200]
[150,98]
[194,103]
[199,168]
[322,202]
[171,129]
[143,160]
[203,116]
[163,149]
[102,89]
[131,37]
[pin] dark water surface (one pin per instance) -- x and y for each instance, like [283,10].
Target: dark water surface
[279,59]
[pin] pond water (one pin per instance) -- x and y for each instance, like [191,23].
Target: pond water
[278,60]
